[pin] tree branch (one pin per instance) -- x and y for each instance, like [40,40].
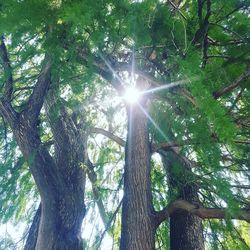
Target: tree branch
[241,142]
[231,12]
[169,145]
[8,88]
[177,8]
[229,42]
[6,110]
[232,86]
[97,196]
[102,67]
[9,114]
[108,134]
[37,97]
[241,186]
[202,212]
[31,240]
[109,223]
[205,43]
[228,30]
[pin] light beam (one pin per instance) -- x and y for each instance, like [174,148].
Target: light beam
[132,95]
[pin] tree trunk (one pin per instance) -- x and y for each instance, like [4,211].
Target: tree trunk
[60,226]
[60,180]
[55,231]
[63,210]
[61,191]
[30,243]
[138,227]
[186,230]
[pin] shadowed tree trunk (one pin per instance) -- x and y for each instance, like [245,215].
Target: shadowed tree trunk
[60,183]
[138,227]
[30,243]
[60,180]
[185,228]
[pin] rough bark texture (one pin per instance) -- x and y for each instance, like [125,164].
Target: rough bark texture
[30,243]
[61,188]
[186,230]
[138,228]
[60,180]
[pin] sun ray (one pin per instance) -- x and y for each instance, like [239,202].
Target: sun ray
[166,86]
[111,69]
[153,122]
[132,95]
[133,68]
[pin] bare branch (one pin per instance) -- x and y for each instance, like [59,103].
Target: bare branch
[108,134]
[231,12]
[241,186]
[218,56]
[205,43]
[234,104]
[167,146]
[233,85]
[228,30]
[242,142]
[202,212]
[103,67]
[177,8]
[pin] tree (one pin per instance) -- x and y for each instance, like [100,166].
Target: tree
[61,59]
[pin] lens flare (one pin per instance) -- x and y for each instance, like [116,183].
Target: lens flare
[132,95]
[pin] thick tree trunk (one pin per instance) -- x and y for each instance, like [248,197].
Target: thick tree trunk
[186,230]
[57,223]
[60,225]
[61,189]
[60,180]
[30,243]
[55,231]
[138,227]
[63,210]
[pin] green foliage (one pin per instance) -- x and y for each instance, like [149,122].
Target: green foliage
[84,39]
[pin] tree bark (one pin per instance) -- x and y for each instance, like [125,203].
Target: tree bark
[186,230]
[61,188]
[60,180]
[30,243]
[138,226]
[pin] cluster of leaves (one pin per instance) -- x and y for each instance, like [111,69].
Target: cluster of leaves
[111,34]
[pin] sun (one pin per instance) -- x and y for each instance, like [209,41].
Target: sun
[132,95]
